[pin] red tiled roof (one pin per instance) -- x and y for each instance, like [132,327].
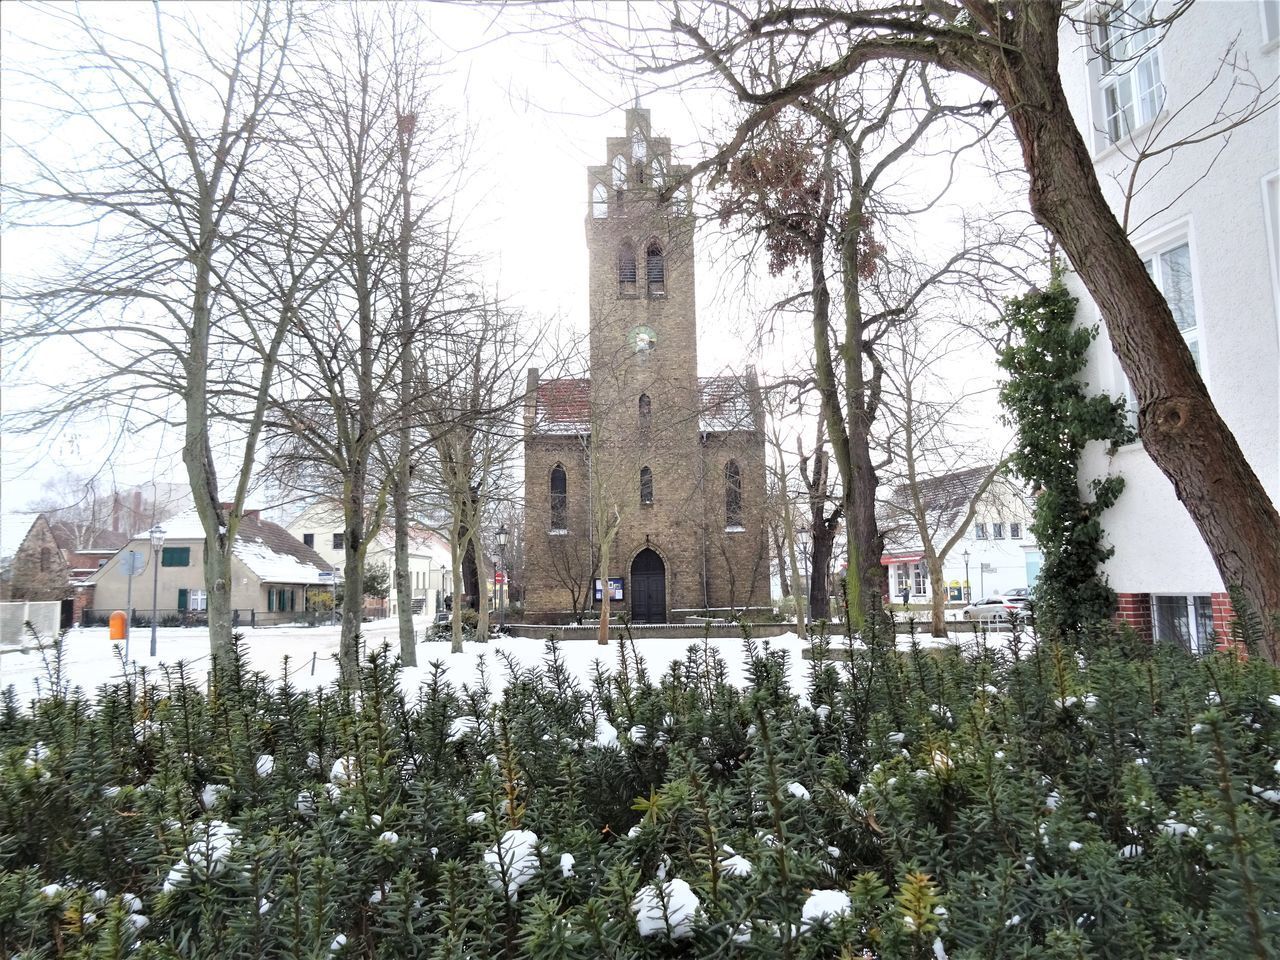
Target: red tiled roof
[564,406]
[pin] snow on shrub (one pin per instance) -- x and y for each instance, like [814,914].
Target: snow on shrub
[512,861]
[205,856]
[670,908]
[823,906]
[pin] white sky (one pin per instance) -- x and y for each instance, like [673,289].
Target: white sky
[540,114]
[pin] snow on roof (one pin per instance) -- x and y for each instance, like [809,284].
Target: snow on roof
[563,407]
[269,551]
[726,405]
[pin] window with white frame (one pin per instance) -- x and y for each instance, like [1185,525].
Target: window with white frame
[979,531]
[197,600]
[1184,620]
[1170,268]
[1270,21]
[997,531]
[920,586]
[1015,531]
[904,578]
[1129,89]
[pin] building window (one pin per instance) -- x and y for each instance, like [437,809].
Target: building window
[339,541]
[1015,531]
[1184,620]
[1271,217]
[655,269]
[197,600]
[559,498]
[904,579]
[639,148]
[627,270]
[646,486]
[1129,78]
[657,173]
[979,531]
[1270,21]
[645,415]
[732,496]
[997,531]
[309,540]
[920,583]
[175,557]
[619,172]
[680,201]
[599,202]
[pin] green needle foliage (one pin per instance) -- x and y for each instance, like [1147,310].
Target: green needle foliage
[1027,802]
[1055,419]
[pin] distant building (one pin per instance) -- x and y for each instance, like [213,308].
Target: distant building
[1208,226]
[320,527]
[39,571]
[1001,553]
[677,461]
[271,574]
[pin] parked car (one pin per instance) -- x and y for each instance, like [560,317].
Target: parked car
[1010,605]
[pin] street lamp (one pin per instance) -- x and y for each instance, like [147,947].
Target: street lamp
[502,537]
[965,557]
[157,544]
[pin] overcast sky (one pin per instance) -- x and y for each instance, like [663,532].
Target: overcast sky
[539,111]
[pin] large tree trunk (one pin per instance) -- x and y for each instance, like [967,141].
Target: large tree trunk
[456,543]
[938,587]
[404,585]
[783,577]
[602,634]
[1177,421]
[820,572]
[352,577]
[404,588]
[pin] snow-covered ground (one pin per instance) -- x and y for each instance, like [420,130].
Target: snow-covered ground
[90,658]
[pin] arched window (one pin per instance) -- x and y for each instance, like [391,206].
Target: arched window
[657,173]
[655,269]
[680,201]
[559,498]
[646,414]
[627,270]
[638,146]
[619,172]
[599,202]
[646,485]
[732,495]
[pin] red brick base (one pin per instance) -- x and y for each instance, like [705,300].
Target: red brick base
[1134,609]
[1223,614]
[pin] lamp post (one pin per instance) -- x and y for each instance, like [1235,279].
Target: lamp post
[965,557]
[502,536]
[157,544]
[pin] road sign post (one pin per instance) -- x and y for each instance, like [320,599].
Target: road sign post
[133,565]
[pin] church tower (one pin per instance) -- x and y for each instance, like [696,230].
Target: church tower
[664,466]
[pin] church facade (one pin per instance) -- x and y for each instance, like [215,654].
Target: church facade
[665,467]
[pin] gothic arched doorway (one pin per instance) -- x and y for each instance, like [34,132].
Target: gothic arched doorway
[648,588]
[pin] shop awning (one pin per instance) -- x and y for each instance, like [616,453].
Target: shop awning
[891,558]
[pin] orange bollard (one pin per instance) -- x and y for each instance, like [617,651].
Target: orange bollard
[118,625]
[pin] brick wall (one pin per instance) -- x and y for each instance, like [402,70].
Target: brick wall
[1223,614]
[39,571]
[1134,609]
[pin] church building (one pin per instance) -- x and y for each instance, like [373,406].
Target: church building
[666,467]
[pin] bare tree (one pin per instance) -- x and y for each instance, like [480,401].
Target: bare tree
[172,128]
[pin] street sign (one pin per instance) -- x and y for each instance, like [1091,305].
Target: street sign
[500,577]
[133,563]
[326,575]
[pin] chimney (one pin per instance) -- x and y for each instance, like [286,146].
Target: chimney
[115,512]
[531,400]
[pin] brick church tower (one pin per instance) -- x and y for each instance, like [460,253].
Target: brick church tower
[667,465]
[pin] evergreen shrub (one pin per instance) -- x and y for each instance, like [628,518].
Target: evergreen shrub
[909,804]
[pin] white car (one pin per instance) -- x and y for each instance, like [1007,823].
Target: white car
[999,606]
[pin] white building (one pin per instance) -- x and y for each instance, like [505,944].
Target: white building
[997,553]
[1207,225]
[430,560]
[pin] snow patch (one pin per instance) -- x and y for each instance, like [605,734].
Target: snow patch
[682,907]
[205,856]
[513,861]
[823,906]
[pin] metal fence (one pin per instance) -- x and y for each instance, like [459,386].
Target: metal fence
[240,617]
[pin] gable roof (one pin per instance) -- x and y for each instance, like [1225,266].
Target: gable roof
[563,407]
